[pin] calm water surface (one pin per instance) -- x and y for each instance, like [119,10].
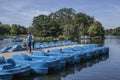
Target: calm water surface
[103,68]
[7,42]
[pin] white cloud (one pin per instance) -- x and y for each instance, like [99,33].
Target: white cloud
[10,6]
[27,16]
[23,11]
[32,13]
[19,12]
[4,19]
[23,18]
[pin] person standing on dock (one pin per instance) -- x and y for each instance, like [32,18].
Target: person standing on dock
[33,42]
[29,41]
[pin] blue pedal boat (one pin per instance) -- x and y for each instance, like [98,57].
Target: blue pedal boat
[5,49]
[82,54]
[53,62]
[8,68]
[87,52]
[44,45]
[38,65]
[58,43]
[16,40]
[91,50]
[65,58]
[95,51]
[51,44]
[104,50]
[37,45]
[16,48]
[77,55]
[69,42]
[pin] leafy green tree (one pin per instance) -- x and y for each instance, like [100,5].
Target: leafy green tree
[83,22]
[69,31]
[21,29]
[63,15]
[6,29]
[96,29]
[41,25]
[109,31]
[1,28]
[61,18]
[64,22]
[117,30]
[44,25]
[0,23]
[14,29]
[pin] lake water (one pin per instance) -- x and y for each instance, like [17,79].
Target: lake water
[103,68]
[7,42]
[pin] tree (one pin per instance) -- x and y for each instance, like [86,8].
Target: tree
[40,24]
[63,15]
[96,29]
[15,29]
[117,31]
[6,29]
[63,22]
[83,22]
[61,18]
[22,29]
[44,26]
[69,31]
[1,28]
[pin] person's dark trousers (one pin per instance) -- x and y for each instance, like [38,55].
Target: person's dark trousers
[33,43]
[29,46]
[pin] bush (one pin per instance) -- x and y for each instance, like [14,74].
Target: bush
[63,37]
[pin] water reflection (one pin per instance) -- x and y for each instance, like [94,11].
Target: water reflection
[90,63]
[67,71]
[94,41]
[86,41]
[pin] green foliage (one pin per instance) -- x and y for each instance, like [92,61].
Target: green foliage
[14,29]
[96,29]
[63,37]
[4,29]
[17,29]
[115,31]
[64,23]
[69,31]
[83,22]
[44,26]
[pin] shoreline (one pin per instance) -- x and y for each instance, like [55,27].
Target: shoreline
[8,55]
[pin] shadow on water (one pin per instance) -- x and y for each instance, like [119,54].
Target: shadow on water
[67,71]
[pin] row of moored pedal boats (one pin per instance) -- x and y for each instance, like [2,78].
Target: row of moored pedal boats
[39,62]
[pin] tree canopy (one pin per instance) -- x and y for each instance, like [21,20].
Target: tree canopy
[115,31]
[14,29]
[64,22]
[96,29]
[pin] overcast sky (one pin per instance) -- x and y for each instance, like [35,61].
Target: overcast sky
[23,11]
